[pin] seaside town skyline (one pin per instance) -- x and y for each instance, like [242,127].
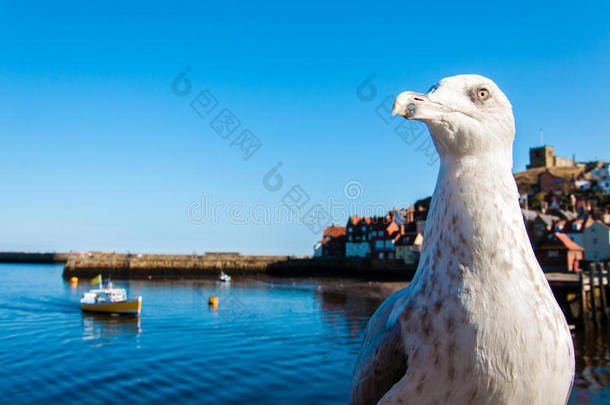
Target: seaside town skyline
[565,206]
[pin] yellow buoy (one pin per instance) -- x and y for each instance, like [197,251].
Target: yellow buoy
[213,302]
[74,280]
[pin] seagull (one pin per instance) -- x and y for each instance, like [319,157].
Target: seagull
[478,324]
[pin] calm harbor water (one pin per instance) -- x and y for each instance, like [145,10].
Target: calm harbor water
[270,341]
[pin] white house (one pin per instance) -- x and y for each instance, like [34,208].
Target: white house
[604,186]
[602,176]
[408,247]
[317,250]
[601,173]
[583,185]
[597,242]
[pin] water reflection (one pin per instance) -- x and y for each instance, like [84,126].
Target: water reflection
[592,357]
[298,338]
[108,326]
[349,305]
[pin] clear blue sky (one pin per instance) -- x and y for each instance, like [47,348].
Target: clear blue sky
[98,153]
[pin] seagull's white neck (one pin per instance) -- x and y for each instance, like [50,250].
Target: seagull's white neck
[474,217]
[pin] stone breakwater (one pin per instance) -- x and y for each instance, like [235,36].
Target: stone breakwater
[27,257]
[150,266]
[142,266]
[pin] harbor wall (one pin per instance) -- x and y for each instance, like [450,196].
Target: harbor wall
[131,266]
[27,257]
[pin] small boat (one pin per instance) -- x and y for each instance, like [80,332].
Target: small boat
[109,300]
[225,277]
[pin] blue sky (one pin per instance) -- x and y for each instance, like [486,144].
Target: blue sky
[100,154]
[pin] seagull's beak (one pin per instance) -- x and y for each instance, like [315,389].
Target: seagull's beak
[417,106]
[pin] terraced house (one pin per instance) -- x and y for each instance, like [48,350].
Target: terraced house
[385,232]
[358,237]
[597,242]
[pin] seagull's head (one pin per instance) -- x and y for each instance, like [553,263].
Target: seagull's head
[468,116]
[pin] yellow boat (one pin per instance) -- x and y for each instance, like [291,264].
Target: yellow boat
[110,300]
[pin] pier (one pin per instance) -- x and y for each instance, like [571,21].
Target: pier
[27,257]
[149,266]
[584,295]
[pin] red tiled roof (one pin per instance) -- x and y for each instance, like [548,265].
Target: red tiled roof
[392,228]
[380,222]
[407,239]
[567,242]
[334,231]
[385,224]
[355,220]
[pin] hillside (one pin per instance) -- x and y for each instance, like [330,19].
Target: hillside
[528,178]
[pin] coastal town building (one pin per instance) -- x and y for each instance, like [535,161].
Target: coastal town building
[538,225]
[358,239]
[374,237]
[549,183]
[559,253]
[333,241]
[600,176]
[582,184]
[408,247]
[597,241]
[384,234]
[562,214]
[582,205]
[602,172]
[552,202]
[604,186]
[317,249]
[574,229]
[566,217]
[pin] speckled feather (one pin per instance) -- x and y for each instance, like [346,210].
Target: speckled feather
[478,324]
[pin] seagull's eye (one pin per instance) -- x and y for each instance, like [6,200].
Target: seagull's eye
[482,94]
